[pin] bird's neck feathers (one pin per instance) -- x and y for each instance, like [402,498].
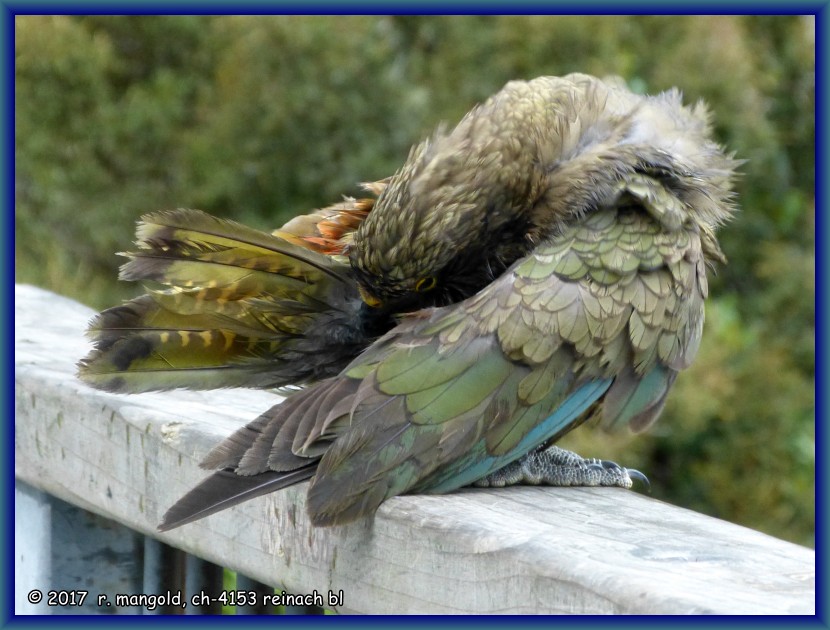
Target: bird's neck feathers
[612,136]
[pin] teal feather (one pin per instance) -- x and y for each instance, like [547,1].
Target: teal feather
[477,464]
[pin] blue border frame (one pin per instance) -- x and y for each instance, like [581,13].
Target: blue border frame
[822,381]
[160,7]
[10,9]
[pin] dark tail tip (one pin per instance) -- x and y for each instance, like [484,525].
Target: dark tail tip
[224,489]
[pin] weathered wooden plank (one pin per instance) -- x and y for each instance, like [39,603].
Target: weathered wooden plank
[516,550]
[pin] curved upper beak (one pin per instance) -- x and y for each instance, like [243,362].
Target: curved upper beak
[367,297]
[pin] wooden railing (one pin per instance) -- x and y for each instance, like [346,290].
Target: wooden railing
[517,550]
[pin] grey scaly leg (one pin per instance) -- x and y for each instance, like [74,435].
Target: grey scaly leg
[555,466]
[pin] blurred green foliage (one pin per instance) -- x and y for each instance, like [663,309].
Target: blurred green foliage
[259,118]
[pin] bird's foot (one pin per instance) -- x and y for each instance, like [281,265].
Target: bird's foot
[555,466]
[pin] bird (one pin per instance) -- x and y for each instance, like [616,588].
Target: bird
[542,264]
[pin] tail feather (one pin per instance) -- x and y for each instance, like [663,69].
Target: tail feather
[225,489]
[183,235]
[237,307]
[141,346]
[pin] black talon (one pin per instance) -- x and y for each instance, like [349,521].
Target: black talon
[636,474]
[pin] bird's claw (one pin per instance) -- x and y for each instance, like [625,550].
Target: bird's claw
[608,465]
[636,474]
[555,466]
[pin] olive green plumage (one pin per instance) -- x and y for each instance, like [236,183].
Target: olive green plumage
[231,306]
[551,252]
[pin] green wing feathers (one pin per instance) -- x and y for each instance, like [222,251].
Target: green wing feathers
[624,296]
[615,295]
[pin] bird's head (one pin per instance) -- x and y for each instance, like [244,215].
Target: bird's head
[415,247]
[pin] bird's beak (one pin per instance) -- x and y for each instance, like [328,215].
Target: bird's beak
[367,297]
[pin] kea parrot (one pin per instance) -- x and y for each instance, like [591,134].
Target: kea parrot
[541,264]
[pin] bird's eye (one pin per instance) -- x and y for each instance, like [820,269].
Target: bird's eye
[426,284]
